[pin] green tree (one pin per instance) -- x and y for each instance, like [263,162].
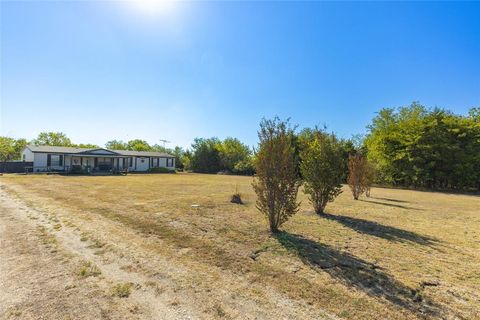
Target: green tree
[245,167]
[138,145]
[186,160]
[276,183]
[116,145]
[430,148]
[474,114]
[7,148]
[87,146]
[205,156]
[231,152]
[59,139]
[11,149]
[322,169]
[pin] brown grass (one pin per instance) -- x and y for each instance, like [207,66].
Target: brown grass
[400,254]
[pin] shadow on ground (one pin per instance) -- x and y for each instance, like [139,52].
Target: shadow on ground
[379,230]
[389,199]
[357,273]
[390,204]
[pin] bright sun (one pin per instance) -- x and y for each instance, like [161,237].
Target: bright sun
[152,7]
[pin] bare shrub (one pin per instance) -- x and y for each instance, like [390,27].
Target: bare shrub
[277,182]
[360,175]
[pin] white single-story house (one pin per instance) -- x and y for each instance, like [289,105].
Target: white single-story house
[49,158]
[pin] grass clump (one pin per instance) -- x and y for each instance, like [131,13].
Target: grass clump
[89,270]
[122,290]
[236,198]
[219,311]
[46,238]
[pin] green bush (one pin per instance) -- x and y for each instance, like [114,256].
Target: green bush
[244,167]
[161,170]
[322,169]
[77,169]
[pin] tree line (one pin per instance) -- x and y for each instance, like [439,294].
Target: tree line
[412,146]
[417,147]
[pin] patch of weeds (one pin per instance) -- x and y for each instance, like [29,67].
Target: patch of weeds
[122,290]
[344,314]
[218,310]
[97,244]
[258,292]
[100,252]
[417,295]
[89,270]
[256,253]
[57,226]
[70,224]
[46,238]
[15,313]
[83,236]
[70,286]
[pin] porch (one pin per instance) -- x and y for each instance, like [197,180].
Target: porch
[94,164]
[57,163]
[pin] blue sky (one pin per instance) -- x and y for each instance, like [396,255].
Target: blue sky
[104,70]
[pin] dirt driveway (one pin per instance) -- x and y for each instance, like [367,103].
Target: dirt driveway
[49,274]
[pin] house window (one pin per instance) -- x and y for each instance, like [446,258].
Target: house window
[169,162]
[24,156]
[55,160]
[130,162]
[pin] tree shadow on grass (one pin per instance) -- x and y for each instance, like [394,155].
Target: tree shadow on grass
[390,204]
[390,199]
[357,273]
[381,231]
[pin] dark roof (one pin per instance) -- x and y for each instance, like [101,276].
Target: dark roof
[72,150]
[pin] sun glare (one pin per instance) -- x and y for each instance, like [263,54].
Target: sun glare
[152,7]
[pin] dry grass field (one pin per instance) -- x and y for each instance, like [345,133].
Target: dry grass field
[397,255]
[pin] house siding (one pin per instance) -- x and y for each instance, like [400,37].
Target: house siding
[142,166]
[40,160]
[27,155]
